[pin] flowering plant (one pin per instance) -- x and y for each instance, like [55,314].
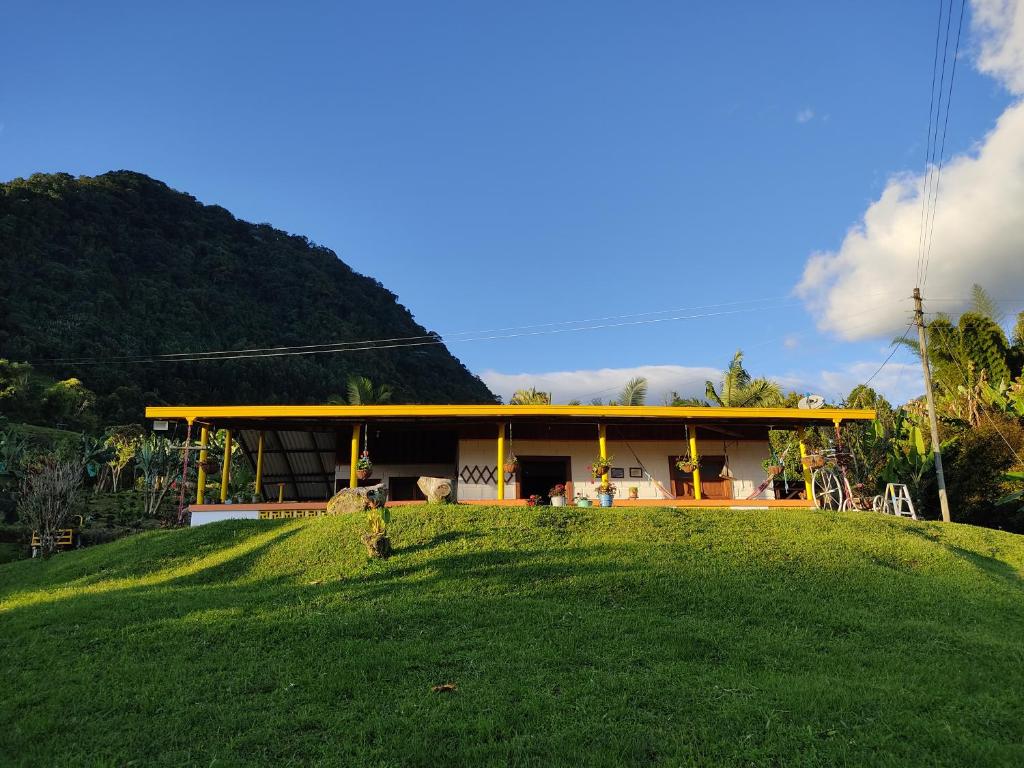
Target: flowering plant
[533,501]
[600,466]
[557,490]
[364,462]
[606,489]
[687,463]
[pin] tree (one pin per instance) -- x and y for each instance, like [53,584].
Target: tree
[124,443]
[47,497]
[361,391]
[157,464]
[678,401]
[739,390]
[634,393]
[530,397]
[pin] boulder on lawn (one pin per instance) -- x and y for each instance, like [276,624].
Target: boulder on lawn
[438,490]
[353,499]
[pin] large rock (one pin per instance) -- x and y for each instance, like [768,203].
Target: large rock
[354,499]
[438,490]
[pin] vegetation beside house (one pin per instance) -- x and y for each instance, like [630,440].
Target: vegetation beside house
[553,637]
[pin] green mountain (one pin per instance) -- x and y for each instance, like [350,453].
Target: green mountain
[612,637]
[121,265]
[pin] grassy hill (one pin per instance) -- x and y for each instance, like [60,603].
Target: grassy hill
[121,265]
[621,637]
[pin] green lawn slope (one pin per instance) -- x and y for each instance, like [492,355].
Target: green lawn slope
[574,637]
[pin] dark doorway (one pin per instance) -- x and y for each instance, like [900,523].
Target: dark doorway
[539,474]
[405,489]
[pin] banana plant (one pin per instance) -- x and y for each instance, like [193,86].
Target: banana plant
[1014,497]
[909,456]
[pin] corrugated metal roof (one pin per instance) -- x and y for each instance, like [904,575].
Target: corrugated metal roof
[303,461]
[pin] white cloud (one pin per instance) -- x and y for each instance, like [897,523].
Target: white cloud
[999,28]
[978,234]
[605,383]
[805,115]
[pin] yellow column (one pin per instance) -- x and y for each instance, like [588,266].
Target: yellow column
[204,441]
[501,462]
[602,447]
[225,471]
[280,493]
[697,494]
[808,483]
[353,481]
[259,465]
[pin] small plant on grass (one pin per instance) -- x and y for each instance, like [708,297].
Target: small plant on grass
[157,464]
[376,541]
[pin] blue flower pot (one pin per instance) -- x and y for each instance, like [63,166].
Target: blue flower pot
[605,499]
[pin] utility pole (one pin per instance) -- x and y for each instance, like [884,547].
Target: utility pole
[933,422]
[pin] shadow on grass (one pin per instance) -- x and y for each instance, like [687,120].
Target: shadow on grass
[998,569]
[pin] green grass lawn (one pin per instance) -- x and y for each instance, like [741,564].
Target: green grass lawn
[575,637]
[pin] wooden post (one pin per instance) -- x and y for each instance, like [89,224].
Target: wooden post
[225,471]
[259,464]
[808,480]
[204,442]
[698,493]
[501,462]
[933,423]
[353,479]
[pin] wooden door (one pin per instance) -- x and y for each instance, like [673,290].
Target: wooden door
[712,486]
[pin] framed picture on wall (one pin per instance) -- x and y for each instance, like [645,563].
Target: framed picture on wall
[636,472]
[618,473]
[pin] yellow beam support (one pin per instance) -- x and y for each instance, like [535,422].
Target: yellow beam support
[808,482]
[602,447]
[501,462]
[259,465]
[204,442]
[353,480]
[225,471]
[697,492]
[280,493]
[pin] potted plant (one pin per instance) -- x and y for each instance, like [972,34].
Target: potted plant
[634,492]
[364,466]
[533,501]
[557,495]
[582,501]
[600,466]
[773,467]
[813,461]
[605,494]
[511,464]
[688,464]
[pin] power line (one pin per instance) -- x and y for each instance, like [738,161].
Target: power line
[925,189]
[895,348]
[432,337]
[942,146]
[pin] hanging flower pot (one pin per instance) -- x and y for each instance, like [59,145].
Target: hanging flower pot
[210,466]
[687,465]
[364,466]
[775,470]
[511,465]
[813,461]
[600,467]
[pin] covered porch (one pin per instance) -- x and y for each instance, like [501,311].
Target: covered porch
[300,456]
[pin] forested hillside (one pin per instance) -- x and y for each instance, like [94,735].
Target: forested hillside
[121,265]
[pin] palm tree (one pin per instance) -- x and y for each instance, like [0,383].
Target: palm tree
[739,389]
[634,393]
[530,397]
[361,391]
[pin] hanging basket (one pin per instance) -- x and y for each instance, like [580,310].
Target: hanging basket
[687,466]
[775,470]
[511,465]
[813,461]
[210,466]
[362,474]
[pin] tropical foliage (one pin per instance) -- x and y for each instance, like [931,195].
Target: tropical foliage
[530,397]
[738,389]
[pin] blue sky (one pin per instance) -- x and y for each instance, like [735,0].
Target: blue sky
[514,164]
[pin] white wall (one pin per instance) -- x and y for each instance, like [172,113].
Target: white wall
[745,459]
[202,518]
[384,472]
